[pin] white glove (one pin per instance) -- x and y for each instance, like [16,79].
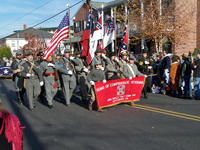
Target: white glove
[102,68]
[149,67]
[103,55]
[116,59]
[104,81]
[146,62]
[71,58]
[70,72]
[92,82]
[116,71]
[41,83]
[130,78]
[28,75]
[85,69]
[145,76]
[51,65]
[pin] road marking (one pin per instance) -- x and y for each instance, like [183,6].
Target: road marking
[173,112]
[168,112]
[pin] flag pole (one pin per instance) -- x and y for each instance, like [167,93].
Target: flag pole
[102,32]
[70,44]
[114,10]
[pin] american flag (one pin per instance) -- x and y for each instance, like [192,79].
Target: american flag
[60,34]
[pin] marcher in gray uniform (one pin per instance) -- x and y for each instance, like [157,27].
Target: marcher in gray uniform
[130,71]
[68,75]
[39,60]
[95,75]
[121,63]
[59,81]
[111,68]
[47,68]
[16,68]
[82,71]
[99,56]
[34,80]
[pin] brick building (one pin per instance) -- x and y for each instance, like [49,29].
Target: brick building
[187,43]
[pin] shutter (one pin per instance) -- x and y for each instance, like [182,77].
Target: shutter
[74,27]
[80,25]
[83,25]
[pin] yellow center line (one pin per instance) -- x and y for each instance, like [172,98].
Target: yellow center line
[166,113]
[173,112]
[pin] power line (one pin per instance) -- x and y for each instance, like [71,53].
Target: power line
[54,15]
[26,14]
[57,14]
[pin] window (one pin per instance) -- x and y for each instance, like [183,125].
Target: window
[13,44]
[95,20]
[77,26]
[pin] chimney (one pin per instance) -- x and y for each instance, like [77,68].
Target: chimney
[24,26]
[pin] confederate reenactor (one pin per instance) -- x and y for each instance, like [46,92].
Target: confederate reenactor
[16,68]
[95,75]
[130,70]
[100,57]
[39,61]
[81,70]
[121,63]
[33,80]
[145,67]
[59,81]
[112,68]
[68,75]
[49,75]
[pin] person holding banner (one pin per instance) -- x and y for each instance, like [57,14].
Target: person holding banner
[33,80]
[16,68]
[145,67]
[112,71]
[121,63]
[130,70]
[66,68]
[95,75]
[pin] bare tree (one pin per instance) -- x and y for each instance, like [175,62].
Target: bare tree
[158,20]
[35,44]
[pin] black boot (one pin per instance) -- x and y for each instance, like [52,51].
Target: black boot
[19,98]
[22,92]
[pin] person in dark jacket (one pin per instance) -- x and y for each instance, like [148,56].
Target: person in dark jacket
[164,66]
[186,75]
[197,77]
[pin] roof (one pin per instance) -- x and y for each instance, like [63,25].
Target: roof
[32,31]
[98,5]
[75,39]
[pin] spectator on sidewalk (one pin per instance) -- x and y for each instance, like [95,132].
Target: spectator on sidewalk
[174,75]
[197,77]
[186,75]
[164,66]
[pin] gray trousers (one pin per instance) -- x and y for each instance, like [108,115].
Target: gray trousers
[82,80]
[69,84]
[50,91]
[33,90]
[93,97]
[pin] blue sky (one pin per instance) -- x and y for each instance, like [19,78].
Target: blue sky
[11,10]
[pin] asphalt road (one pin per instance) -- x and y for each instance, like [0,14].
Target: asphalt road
[158,123]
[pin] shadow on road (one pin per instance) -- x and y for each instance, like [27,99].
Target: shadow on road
[32,138]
